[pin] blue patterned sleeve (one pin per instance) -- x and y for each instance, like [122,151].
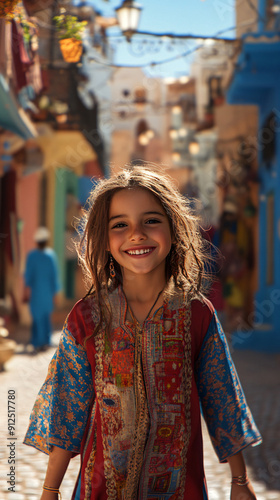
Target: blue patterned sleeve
[224,407]
[59,415]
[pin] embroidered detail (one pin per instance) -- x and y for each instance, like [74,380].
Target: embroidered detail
[141,422]
[143,386]
[187,384]
[168,374]
[89,469]
[100,386]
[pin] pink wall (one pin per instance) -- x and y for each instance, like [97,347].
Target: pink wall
[28,190]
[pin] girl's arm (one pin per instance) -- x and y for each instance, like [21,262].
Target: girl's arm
[57,466]
[238,469]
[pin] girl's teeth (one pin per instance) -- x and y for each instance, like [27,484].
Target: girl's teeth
[138,252]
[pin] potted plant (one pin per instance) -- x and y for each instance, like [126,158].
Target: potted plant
[7,7]
[70,32]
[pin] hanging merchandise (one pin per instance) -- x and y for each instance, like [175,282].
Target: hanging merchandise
[27,27]
[7,7]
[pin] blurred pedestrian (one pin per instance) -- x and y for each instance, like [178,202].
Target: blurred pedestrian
[138,356]
[42,284]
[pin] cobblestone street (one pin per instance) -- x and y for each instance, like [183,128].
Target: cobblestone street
[259,374]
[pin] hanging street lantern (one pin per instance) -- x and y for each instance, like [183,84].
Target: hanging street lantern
[128,15]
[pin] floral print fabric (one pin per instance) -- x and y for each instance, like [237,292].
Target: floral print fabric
[60,412]
[229,420]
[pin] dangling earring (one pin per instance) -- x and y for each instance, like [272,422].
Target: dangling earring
[112,268]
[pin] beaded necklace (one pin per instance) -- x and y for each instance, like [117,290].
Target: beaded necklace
[150,310]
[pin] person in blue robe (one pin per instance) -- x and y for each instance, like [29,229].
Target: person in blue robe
[42,279]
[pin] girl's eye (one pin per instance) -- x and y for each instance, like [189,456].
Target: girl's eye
[119,225]
[152,221]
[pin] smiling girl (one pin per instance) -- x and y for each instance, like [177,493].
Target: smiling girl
[140,356]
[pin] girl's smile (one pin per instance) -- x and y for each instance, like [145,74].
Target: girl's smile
[139,231]
[140,251]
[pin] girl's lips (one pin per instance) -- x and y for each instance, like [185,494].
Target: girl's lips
[139,251]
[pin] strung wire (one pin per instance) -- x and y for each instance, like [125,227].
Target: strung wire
[178,56]
[187,53]
[178,36]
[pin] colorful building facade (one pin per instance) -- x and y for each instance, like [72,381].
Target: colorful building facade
[256,81]
[51,147]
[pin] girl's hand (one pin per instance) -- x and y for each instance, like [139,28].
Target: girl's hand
[49,495]
[242,492]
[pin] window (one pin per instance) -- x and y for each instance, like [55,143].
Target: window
[140,95]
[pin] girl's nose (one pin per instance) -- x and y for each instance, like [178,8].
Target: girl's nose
[137,233]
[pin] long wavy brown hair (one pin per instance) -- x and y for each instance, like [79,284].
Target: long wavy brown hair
[187,259]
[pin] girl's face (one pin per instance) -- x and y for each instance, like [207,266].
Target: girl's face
[139,233]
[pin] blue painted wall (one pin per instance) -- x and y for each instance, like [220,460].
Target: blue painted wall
[256,81]
[265,297]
